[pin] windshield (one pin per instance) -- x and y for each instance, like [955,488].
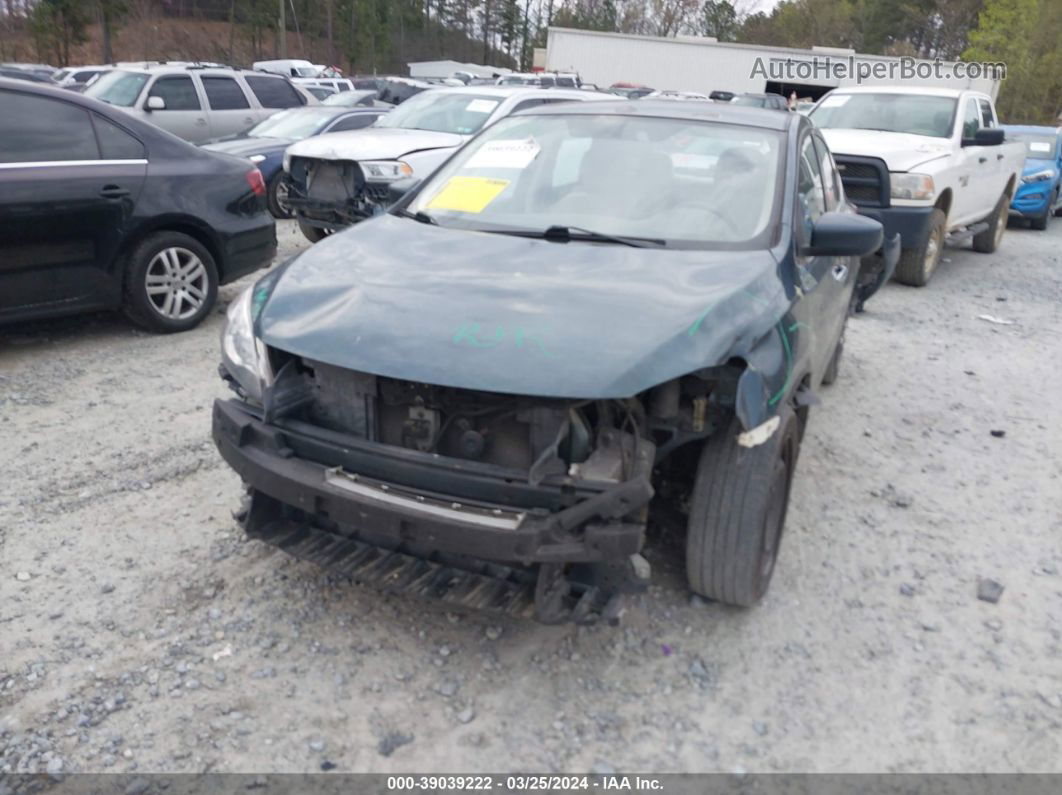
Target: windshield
[1037,146]
[916,114]
[459,112]
[304,71]
[693,184]
[295,123]
[118,87]
[752,102]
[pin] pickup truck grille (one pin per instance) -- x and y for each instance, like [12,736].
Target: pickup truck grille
[866,180]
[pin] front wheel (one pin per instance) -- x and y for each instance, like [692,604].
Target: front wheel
[171,282]
[916,265]
[313,233]
[737,512]
[276,197]
[1041,222]
[988,241]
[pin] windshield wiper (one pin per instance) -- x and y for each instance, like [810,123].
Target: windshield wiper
[564,233]
[419,215]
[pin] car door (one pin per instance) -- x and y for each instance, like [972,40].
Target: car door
[69,180]
[825,281]
[230,109]
[991,176]
[968,201]
[183,113]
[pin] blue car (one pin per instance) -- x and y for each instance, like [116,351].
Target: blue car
[264,144]
[1038,197]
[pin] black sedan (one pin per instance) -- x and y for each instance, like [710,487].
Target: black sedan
[99,210]
[264,144]
[477,394]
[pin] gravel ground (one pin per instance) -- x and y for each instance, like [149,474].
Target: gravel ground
[139,631]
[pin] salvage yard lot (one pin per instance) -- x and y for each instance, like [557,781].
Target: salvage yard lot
[138,631]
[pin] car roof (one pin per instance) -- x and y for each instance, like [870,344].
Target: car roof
[691,111]
[504,92]
[179,67]
[920,90]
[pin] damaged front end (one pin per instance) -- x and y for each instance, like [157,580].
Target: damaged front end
[332,193]
[529,506]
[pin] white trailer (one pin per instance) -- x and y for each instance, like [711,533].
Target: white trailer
[702,64]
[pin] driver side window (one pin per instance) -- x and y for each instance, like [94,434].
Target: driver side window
[811,200]
[971,119]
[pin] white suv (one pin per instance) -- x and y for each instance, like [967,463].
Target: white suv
[198,102]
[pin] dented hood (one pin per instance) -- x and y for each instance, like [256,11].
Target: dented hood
[499,313]
[900,151]
[373,143]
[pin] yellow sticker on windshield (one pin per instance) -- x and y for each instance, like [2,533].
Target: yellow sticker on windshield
[467,194]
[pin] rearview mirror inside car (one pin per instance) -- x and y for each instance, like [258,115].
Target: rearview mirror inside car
[844,235]
[985,136]
[400,187]
[155,103]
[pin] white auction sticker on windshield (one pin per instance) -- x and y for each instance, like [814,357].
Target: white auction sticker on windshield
[837,101]
[1039,146]
[505,154]
[481,105]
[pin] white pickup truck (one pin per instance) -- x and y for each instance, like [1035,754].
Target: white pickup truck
[929,163]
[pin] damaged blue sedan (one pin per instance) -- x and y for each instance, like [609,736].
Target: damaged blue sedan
[591,320]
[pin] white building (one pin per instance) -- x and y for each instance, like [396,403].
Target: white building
[441,69]
[694,63]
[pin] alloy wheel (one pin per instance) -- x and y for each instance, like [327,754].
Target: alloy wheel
[177,283]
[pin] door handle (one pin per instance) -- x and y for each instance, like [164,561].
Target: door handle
[839,272]
[113,192]
[201,122]
[999,157]
[247,120]
[982,159]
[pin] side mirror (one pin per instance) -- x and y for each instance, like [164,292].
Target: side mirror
[399,188]
[155,103]
[986,136]
[844,235]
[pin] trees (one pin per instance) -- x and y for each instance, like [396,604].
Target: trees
[56,26]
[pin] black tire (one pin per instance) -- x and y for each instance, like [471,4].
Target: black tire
[1041,223]
[147,308]
[737,512]
[916,265]
[988,241]
[312,233]
[273,200]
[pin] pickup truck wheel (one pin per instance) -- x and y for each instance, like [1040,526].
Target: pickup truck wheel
[737,512]
[276,195]
[988,241]
[1041,222]
[313,233]
[171,282]
[916,265]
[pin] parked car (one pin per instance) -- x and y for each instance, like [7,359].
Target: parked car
[540,79]
[341,179]
[929,163]
[196,102]
[13,73]
[1039,196]
[100,210]
[319,93]
[721,96]
[289,67]
[77,77]
[681,96]
[39,71]
[630,90]
[770,101]
[265,143]
[476,394]
[353,99]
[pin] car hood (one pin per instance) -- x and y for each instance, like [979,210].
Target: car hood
[245,147]
[499,313]
[373,144]
[1032,166]
[900,151]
